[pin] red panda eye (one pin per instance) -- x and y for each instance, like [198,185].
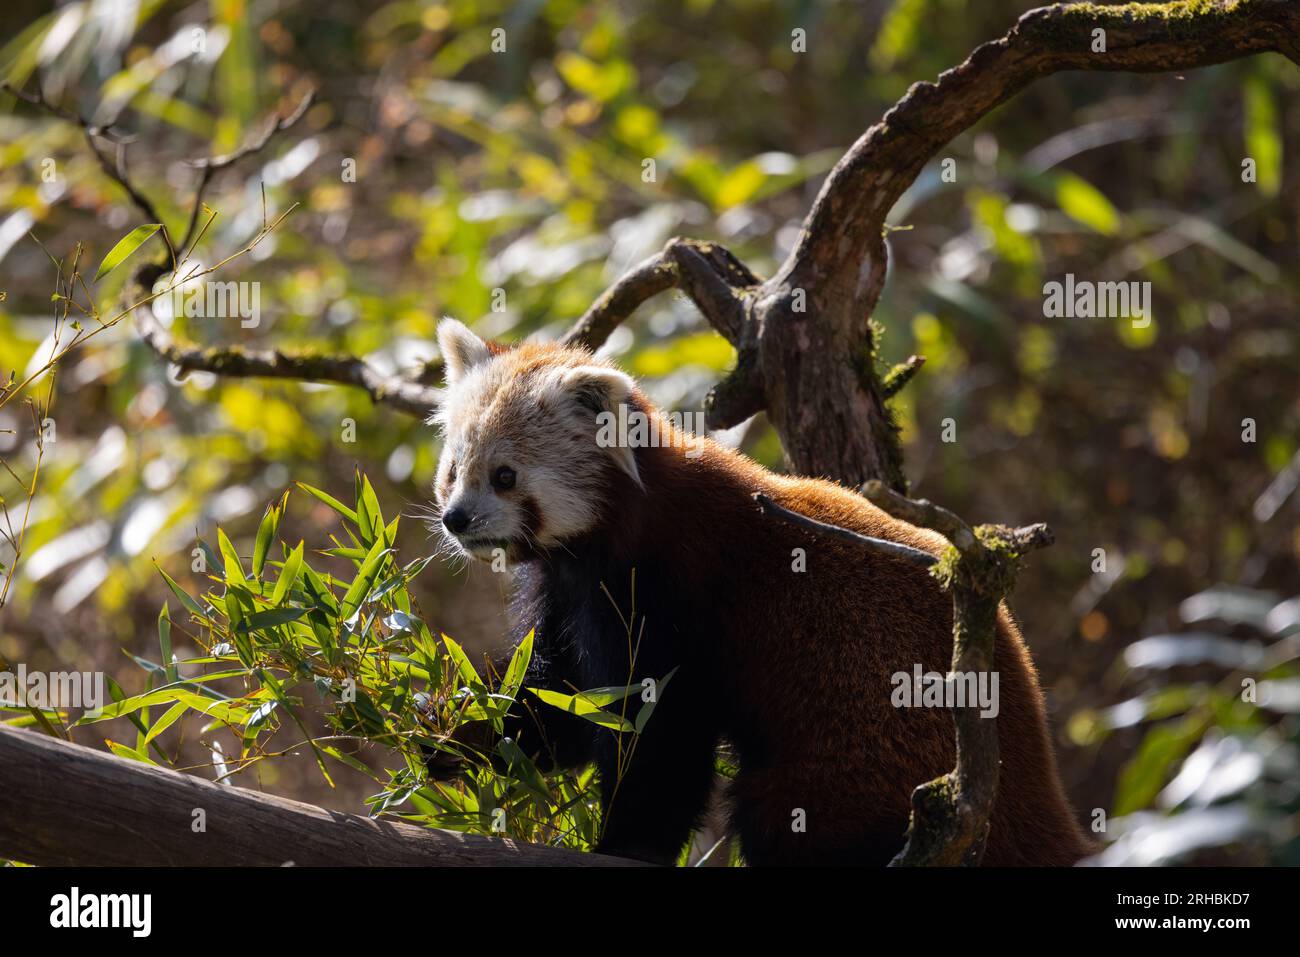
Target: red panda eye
[503,478]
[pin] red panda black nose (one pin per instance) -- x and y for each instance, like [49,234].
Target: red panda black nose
[456,520]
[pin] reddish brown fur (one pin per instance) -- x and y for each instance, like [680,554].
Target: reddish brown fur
[793,667]
[809,658]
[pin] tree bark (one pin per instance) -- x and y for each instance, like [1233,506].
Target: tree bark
[67,805]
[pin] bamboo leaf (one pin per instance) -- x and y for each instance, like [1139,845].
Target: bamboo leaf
[165,642]
[125,247]
[234,570]
[577,704]
[190,604]
[332,502]
[518,668]
[265,533]
[288,575]
[365,580]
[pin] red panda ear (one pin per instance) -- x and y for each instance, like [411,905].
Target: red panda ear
[600,391]
[461,349]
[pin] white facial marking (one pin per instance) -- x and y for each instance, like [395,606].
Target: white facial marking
[532,411]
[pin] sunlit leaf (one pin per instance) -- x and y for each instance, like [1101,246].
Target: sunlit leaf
[1263,134]
[125,247]
[365,580]
[191,605]
[165,642]
[577,704]
[234,570]
[331,501]
[288,575]
[518,668]
[1082,201]
[265,534]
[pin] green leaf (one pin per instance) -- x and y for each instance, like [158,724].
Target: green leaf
[177,112]
[272,617]
[344,758]
[365,580]
[600,81]
[1263,135]
[125,247]
[369,517]
[462,662]
[318,590]
[740,185]
[234,570]
[332,502]
[131,754]
[579,705]
[239,606]
[604,697]
[357,555]
[191,605]
[165,642]
[1082,201]
[166,721]
[265,534]
[22,55]
[524,770]
[514,677]
[901,30]
[648,707]
[1148,770]
[288,575]
[213,560]
[223,710]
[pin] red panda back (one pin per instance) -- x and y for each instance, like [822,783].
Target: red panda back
[811,631]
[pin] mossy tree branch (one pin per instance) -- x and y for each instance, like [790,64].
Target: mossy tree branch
[950,815]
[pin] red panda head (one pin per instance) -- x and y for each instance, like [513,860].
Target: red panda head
[522,469]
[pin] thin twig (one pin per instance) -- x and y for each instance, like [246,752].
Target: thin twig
[212,165]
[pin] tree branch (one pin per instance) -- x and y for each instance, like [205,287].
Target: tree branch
[882,545]
[647,279]
[722,288]
[738,394]
[950,814]
[64,805]
[921,513]
[212,165]
[399,392]
[707,272]
[845,222]
[114,169]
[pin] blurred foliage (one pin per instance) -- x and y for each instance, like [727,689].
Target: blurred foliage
[523,171]
[1217,769]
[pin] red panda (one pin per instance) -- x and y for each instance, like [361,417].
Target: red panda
[786,644]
